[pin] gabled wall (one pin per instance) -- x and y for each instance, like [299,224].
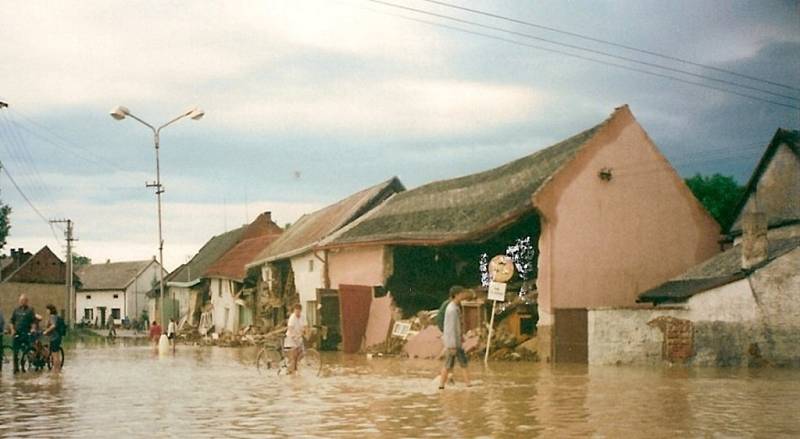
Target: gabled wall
[604,242]
[778,190]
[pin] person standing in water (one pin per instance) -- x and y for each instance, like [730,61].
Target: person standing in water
[451,338]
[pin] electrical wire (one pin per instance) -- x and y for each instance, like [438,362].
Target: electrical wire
[27,200]
[586,58]
[610,43]
[583,49]
[62,142]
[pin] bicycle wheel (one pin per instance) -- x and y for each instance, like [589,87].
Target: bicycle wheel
[61,351]
[269,360]
[311,363]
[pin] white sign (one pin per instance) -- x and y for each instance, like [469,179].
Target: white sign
[401,329]
[497,291]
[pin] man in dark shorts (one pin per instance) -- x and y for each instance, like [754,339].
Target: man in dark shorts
[451,338]
[55,332]
[21,321]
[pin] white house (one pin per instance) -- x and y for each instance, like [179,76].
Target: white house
[233,306]
[115,290]
[292,268]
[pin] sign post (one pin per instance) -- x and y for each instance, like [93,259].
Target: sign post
[497,292]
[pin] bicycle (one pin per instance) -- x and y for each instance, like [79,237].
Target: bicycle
[272,357]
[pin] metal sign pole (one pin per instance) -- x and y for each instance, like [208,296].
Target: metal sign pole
[489,338]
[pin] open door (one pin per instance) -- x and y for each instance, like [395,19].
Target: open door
[329,318]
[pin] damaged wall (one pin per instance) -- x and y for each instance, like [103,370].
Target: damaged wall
[359,266]
[753,321]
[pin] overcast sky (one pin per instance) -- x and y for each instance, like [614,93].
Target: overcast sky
[308,101]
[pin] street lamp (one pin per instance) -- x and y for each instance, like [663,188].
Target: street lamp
[120,113]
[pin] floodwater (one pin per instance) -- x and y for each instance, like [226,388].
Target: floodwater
[112,390]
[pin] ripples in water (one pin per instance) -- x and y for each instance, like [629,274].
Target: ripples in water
[204,392]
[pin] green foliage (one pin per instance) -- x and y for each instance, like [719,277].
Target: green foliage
[5,224]
[80,261]
[719,194]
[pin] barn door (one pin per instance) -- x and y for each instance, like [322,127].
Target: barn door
[571,336]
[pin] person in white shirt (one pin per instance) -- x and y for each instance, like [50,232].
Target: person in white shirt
[172,332]
[295,328]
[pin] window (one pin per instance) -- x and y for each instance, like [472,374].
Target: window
[219,290]
[88,297]
[88,314]
[311,312]
[115,313]
[116,296]
[310,265]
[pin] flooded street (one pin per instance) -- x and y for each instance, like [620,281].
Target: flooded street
[204,392]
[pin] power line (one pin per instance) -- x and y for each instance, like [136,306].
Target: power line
[583,49]
[610,43]
[27,200]
[586,58]
[63,143]
[17,143]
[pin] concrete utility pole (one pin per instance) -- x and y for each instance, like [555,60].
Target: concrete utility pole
[70,313]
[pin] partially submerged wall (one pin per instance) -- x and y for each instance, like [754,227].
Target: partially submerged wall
[606,240]
[368,266]
[750,322]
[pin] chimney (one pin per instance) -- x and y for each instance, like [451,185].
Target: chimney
[108,261]
[754,239]
[268,215]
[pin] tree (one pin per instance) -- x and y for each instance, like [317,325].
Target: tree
[719,194]
[79,261]
[5,224]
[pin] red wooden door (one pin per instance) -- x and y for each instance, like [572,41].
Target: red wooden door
[354,301]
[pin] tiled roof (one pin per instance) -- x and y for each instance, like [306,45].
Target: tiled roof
[208,254]
[721,269]
[468,207]
[111,275]
[256,237]
[312,228]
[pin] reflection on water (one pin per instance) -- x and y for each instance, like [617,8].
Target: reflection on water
[129,390]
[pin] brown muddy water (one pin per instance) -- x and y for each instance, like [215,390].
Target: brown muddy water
[129,391]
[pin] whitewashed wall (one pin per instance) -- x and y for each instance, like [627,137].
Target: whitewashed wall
[308,276]
[97,299]
[226,312]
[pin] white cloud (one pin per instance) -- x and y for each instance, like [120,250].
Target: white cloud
[392,107]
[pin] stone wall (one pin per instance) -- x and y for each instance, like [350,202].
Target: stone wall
[750,322]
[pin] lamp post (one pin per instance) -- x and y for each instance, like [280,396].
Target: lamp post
[120,113]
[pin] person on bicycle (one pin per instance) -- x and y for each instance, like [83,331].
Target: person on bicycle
[295,328]
[21,322]
[54,331]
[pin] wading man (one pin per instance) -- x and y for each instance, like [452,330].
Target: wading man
[21,321]
[451,338]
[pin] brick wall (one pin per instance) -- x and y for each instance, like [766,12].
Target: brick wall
[39,295]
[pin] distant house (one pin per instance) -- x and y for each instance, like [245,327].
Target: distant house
[187,286]
[41,276]
[115,290]
[294,270]
[234,305]
[608,214]
[739,307]
[774,187]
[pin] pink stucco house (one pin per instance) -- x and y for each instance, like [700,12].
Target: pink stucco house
[610,216]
